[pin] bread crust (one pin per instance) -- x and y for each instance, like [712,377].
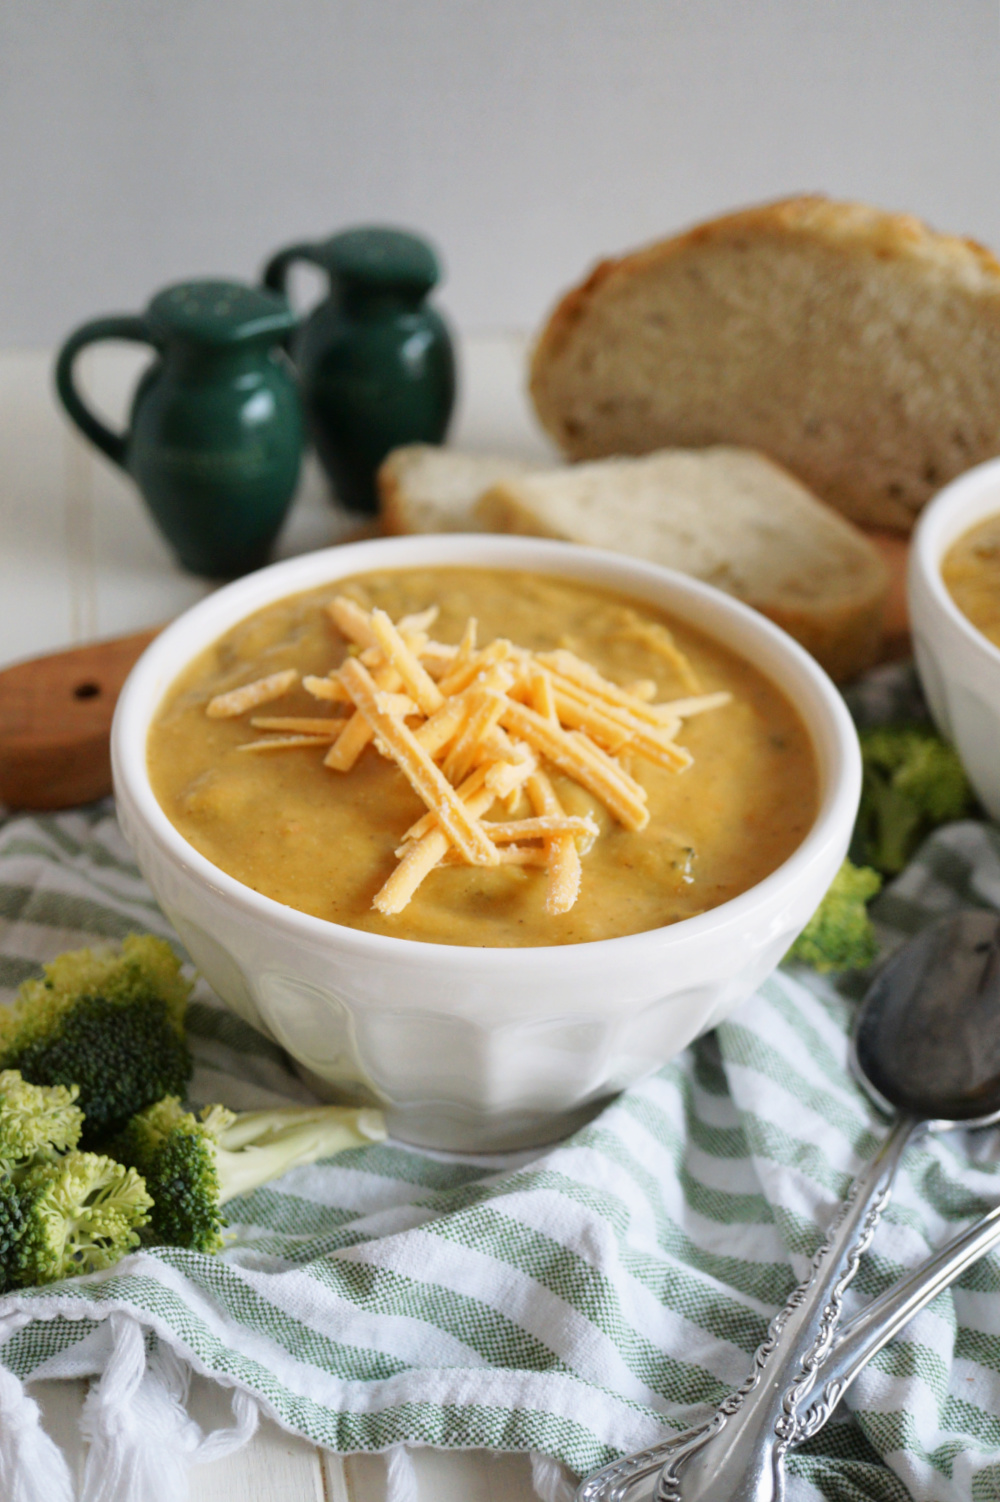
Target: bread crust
[883,488]
[844,643]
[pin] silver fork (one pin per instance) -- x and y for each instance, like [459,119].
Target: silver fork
[635,1478]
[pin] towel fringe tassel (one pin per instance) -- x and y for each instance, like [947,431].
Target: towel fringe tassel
[32,1466]
[400,1477]
[142,1440]
[550,1480]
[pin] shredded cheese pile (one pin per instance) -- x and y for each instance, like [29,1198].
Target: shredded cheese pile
[469,727]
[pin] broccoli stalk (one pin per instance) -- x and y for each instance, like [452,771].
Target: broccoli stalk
[193,1165]
[839,935]
[913,781]
[109,1022]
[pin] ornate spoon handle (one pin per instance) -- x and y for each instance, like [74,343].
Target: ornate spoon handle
[737,1456]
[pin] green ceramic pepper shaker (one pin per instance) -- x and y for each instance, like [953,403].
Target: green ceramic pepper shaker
[375,359]
[216,432]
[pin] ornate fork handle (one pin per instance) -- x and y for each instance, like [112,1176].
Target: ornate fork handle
[737,1456]
[620,1478]
[885,1316]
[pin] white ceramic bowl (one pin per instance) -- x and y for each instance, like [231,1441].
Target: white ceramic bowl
[958,667]
[481,1049]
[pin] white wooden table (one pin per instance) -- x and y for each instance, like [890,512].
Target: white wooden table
[80,559]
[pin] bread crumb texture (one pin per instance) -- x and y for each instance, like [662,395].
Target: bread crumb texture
[726,515]
[857,347]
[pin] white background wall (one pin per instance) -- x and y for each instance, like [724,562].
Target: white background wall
[142,141]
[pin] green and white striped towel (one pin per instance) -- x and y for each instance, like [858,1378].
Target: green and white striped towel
[573,1303]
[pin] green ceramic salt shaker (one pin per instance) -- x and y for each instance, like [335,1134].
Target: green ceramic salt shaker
[375,359]
[216,431]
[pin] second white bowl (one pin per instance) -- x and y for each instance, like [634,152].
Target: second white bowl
[959,668]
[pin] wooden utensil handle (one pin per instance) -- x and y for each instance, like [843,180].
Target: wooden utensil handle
[55,723]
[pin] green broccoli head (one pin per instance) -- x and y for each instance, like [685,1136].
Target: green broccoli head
[839,935]
[37,1123]
[78,1213]
[175,1153]
[193,1165]
[111,1023]
[913,781]
[36,1117]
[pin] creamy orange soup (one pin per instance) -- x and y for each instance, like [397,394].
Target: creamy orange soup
[971,573]
[324,842]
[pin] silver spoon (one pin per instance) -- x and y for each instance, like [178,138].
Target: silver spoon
[927,1044]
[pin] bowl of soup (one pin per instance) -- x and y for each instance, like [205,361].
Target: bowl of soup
[954,597]
[662,785]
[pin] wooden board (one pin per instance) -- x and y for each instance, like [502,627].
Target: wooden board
[55,723]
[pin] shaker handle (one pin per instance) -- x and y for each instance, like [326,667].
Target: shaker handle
[120,326]
[277,268]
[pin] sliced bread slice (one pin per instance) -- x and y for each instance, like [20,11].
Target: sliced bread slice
[424,488]
[728,516]
[857,347]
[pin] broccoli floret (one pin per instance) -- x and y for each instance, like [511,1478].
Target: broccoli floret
[193,1165]
[36,1123]
[74,1214]
[35,1117]
[913,781]
[111,1023]
[177,1157]
[839,935]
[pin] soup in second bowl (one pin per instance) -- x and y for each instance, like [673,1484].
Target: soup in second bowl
[971,574]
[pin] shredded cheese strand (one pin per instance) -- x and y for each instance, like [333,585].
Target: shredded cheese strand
[420,771]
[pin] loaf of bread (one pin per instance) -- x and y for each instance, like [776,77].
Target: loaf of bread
[856,347]
[726,515]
